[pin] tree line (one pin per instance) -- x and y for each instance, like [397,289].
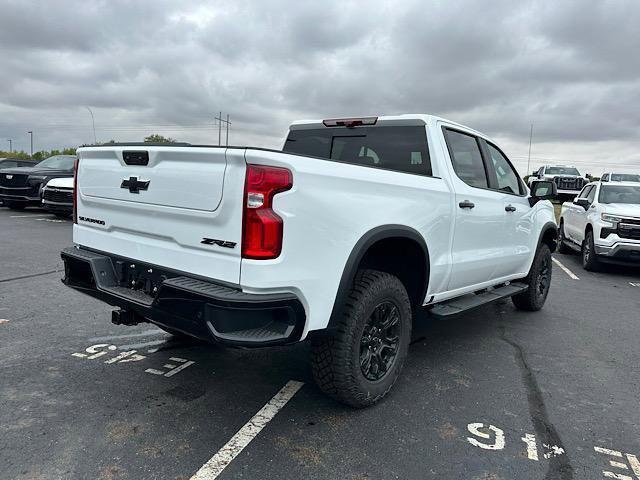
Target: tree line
[42,154]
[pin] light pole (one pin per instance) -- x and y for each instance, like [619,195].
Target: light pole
[10,146]
[93,122]
[529,156]
[31,135]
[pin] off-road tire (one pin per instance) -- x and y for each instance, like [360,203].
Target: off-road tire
[562,246]
[590,260]
[534,297]
[336,357]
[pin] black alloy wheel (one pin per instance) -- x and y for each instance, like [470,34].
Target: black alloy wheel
[380,340]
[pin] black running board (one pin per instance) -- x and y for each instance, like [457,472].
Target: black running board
[474,300]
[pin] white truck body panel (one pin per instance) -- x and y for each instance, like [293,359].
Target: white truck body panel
[197,192]
[165,224]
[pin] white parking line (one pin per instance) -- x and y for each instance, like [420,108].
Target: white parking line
[565,269]
[217,463]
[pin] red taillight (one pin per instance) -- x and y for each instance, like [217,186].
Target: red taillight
[262,227]
[75,191]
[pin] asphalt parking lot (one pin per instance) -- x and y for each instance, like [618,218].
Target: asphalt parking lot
[494,394]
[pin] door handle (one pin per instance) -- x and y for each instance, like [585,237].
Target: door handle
[466,204]
[510,208]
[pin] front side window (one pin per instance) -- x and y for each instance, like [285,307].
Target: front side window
[506,176]
[591,195]
[629,194]
[466,158]
[585,191]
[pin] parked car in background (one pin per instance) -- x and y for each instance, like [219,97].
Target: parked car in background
[21,187]
[339,238]
[14,162]
[620,177]
[603,223]
[567,178]
[57,196]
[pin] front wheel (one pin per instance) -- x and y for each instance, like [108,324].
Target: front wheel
[361,360]
[589,258]
[539,281]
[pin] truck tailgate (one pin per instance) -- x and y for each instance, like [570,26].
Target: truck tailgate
[178,207]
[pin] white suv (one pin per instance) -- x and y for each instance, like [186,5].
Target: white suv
[603,223]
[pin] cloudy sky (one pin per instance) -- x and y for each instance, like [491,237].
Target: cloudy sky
[572,68]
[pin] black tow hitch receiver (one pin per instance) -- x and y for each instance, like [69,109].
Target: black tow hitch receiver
[125,317]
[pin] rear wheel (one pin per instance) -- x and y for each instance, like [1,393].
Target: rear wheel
[539,281]
[359,363]
[562,247]
[589,258]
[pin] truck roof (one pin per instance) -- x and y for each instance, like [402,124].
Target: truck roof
[396,120]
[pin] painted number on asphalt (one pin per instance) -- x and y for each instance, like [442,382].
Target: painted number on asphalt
[490,437]
[631,464]
[101,349]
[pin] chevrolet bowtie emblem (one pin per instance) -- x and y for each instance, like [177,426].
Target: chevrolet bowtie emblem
[134,185]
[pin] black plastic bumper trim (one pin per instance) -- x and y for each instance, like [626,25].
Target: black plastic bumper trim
[203,309]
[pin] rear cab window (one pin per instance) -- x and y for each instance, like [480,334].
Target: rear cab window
[398,148]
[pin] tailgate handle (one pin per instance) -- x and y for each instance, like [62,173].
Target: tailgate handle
[135,157]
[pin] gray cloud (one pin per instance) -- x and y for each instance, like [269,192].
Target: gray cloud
[169,67]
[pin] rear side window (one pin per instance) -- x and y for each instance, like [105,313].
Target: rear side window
[466,158]
[403,149]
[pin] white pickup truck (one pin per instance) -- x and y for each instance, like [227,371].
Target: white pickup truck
[568,179]
[339,238]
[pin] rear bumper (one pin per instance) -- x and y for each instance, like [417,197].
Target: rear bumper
[568,192]
[200,308]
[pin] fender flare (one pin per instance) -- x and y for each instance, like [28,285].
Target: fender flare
[357,253]
[545,228]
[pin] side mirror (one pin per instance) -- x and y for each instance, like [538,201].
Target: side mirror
[583,202]
[542,190]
